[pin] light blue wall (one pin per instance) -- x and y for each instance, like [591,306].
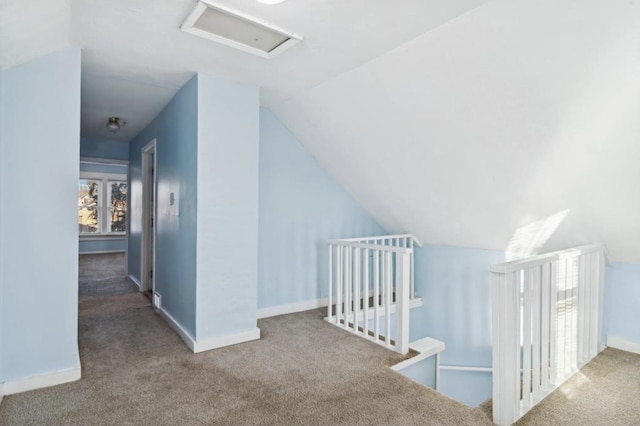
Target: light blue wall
[104,148]
[622,302]
[469,387]
[301,208]
[228,139]
[455,284]
[175,131]
[106,245]
[40,145]
[423,372]
[297,206]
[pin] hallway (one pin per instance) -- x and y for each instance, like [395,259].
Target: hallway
[136,370]
[303,371]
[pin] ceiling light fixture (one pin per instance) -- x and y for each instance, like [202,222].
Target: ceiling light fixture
[114,124]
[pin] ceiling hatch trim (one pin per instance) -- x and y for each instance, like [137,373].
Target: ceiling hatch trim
[238,30]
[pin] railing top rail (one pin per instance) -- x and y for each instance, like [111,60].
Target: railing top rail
[532,261]
[357,244]
[382,237]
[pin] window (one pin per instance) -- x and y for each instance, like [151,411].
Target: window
[88,196]
[102,204]
[117,206]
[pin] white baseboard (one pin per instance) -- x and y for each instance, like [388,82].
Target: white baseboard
[623,345]
[306,305]
[197,346]
[227,340]
[41,381]
[291,308]
[175,325]
[135,280]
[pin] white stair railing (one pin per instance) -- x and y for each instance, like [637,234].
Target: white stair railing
[369,280]
[547,322]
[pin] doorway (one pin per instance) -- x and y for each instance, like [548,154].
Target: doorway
[148,221]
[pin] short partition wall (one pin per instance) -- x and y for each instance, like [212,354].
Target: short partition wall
[547,322]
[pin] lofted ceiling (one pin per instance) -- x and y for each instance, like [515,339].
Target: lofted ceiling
[513,113]
[467,122]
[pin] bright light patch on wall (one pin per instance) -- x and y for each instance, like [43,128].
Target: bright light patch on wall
[235,29]
[528,239]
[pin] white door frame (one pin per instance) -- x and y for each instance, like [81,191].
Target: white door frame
[148,246]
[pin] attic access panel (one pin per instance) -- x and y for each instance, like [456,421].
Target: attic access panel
[235,29]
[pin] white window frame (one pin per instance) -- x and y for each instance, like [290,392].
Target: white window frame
[104,218]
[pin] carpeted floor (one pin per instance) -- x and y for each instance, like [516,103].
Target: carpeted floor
[605,392]
[136,370]
[302,371]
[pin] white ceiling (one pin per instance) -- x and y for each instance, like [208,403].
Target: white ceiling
[135,57]
[31,28]
[460,121]
[505,116]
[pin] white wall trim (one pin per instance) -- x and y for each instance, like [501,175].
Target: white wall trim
[208,344]
[227,340]
[426,348]
[175,325]
[134,279]
[103,237]
[466,369]
[305,305]
[42,381]
[291,308]
[623,345]
[97,160]
[102,252]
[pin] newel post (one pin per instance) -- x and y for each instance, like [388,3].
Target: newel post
[403,284]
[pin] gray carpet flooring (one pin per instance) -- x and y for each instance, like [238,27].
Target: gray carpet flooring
[302,371]
[136,370]
[605,392]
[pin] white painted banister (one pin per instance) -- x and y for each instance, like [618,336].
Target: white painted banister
[371,279]
[374,240]
[547,319]
[402,302]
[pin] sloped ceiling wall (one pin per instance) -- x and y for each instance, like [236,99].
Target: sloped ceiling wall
[31,28]
[506,115]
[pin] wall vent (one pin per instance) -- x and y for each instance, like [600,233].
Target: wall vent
[157,300]
[235,29]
